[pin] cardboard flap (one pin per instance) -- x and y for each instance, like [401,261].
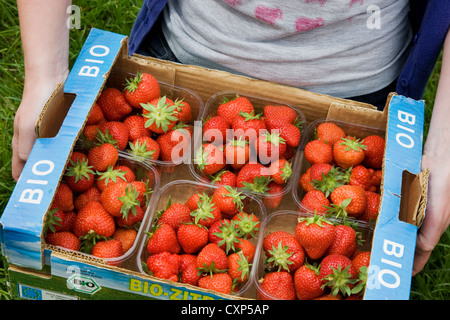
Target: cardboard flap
[365,116]
[413,197]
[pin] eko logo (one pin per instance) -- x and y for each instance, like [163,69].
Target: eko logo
[83,284]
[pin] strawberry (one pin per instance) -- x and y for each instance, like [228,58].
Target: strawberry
[193,201]
[114,132]
[57,220]
[279,285]
[307,282]
[95,115]
[207,212]
[344,242]
[273,196]
[286,255]
[247,248]
[374,151]
[160,114]
[136,127]
[348,152]
[63,198]
[350,200]
[315,201]
[318,151]
[103,156]
[238,267]
[164,265]
[329,132]
[248,126]
[212,259]
[145,147]
[111,248]
[132,220]
[215,129]
[273,238]
[228,200]
[64,239]
[270,147]
[338,273]
[280,171]
[175,143]
[372,208]
[360,176]
[120,198]
[253,177]
[175,215]
[290,132]
[319,170]
[230,109]
[90,132]
[114,105]
[142,88]
[79,175]
[188,269]
[218,282]
[224,234]
[237,153]
[329,296]
[209,159]
[305,181]
[92,194]
[326,178]
[126,237]
[223,178]
[315,235]
[362,259]
[280,112]
[183,110]
[93,218]
[192,237]
[247,224]
[113,175]
[162,238]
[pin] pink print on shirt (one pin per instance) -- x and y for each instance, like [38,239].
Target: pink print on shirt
[267,14]
[233,2]
[321,2]
[361,2]
[305,24]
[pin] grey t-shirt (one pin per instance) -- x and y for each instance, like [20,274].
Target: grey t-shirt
[342,48]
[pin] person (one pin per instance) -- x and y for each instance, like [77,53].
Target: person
[270,42]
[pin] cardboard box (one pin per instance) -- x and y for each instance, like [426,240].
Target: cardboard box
[37,272]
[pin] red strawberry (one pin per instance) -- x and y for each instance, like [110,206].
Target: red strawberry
[141,89]
[286,255]
[238,267]
[103,156]
[372,207]
[315,201]
[193,201]
[273,196]
[92,194]
[284,113]
[247,224]
[338,273]
[318,151]
[90,132]
[64,239]
[362,259]
[237,152]
[270,147]
[229,109]
[228,200]
[209,159]
[247,248]
[253,177]
[279,285]
[95,115]
[159,114]
[319,170]
[329,132]
[307,282]
[119,199]
[183,110]
[111,248]
[126,237]
[188,269]
[218,282]
[207,212]
[145,147]
[164,265]
[114,132]
[273,238]
[374,151]
[305,181]
[223,178]
[344,242]
[57,220]
[224,234]
[212,259]
[215,130]
[175,215]
[280,171]
[289,132]
[131,220]
[114,105]
[248,126]
[349,200]
[163,238]
[348,152]
[114,175]
[63,198]
[175,143]
[315,235]
[94,218]
[360,176]
[79,175]
[192,237]
[136,127]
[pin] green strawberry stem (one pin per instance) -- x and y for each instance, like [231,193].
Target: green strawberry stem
[81,169]
[130,201]
[228,235]
[339,281]
[280,257]
[161,114]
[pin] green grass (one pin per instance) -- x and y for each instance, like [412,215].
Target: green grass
[118,16]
